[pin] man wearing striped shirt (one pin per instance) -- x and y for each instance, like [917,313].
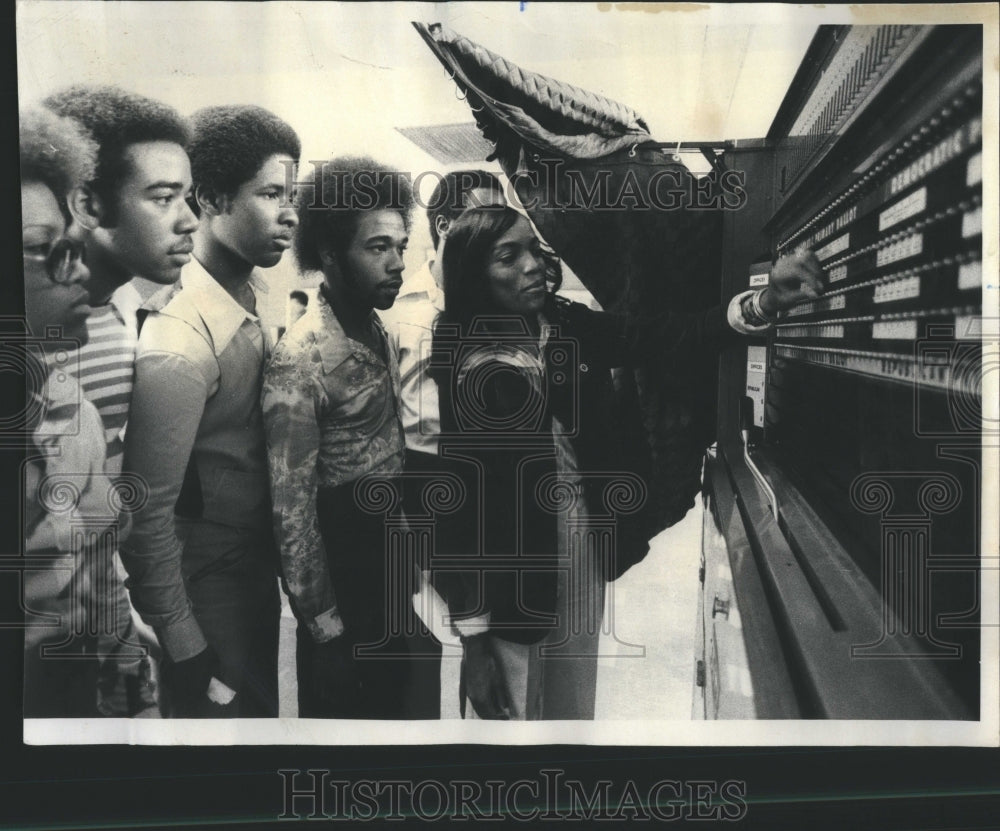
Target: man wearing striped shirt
[134,221]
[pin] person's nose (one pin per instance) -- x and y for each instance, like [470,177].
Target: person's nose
[534,263]
[288,216]
[79,273]
[187,222]
[395,262]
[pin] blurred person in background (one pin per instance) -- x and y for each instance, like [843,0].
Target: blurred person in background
[65,485]
[298,302]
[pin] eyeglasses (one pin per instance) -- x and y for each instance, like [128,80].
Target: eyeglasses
[61,259]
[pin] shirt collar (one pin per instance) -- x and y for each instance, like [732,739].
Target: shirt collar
[125,303]
[332,342]
[222,315]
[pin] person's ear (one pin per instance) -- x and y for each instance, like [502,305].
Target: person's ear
[331,263]
[209,202]
[328,257]
[441,224]
[86,207]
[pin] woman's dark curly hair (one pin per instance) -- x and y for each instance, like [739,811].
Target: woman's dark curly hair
[55,151]
[331,200]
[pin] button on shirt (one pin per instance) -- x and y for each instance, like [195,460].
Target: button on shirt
[331,416]
[196,398]
[410,324]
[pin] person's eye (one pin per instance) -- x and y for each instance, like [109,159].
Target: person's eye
[272,194]
[40,250]
[379,248]
[164,201]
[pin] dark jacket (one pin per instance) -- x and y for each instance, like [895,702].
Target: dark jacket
[497,410]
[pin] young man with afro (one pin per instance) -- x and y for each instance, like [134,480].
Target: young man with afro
[133,220]
[201,555]
[335,442]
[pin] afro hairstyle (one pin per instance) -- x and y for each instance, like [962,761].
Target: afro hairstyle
[55,151]
[231,142]
[116,119]
[331,199]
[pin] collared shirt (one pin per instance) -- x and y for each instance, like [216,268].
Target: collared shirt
[331,416]
[196,437]
[410,324]
[67,494]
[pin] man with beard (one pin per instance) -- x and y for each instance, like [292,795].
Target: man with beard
[331,412]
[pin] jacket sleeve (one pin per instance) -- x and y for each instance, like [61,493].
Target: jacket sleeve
[651,336]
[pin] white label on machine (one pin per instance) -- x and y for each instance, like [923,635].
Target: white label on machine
[756,358]
[903,209]
[969,327]
[755,392]
[908,247]
[756,368]
[834,247]
[895,330]
[898,290]
[970,275]
[974,170]
[759,274]
[972,223]
[838,273]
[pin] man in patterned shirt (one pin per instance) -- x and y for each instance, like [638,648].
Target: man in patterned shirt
[331,416]
[133,221]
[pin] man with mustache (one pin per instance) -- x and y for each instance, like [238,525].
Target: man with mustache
[201,555]
[331,413]
[133,221]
